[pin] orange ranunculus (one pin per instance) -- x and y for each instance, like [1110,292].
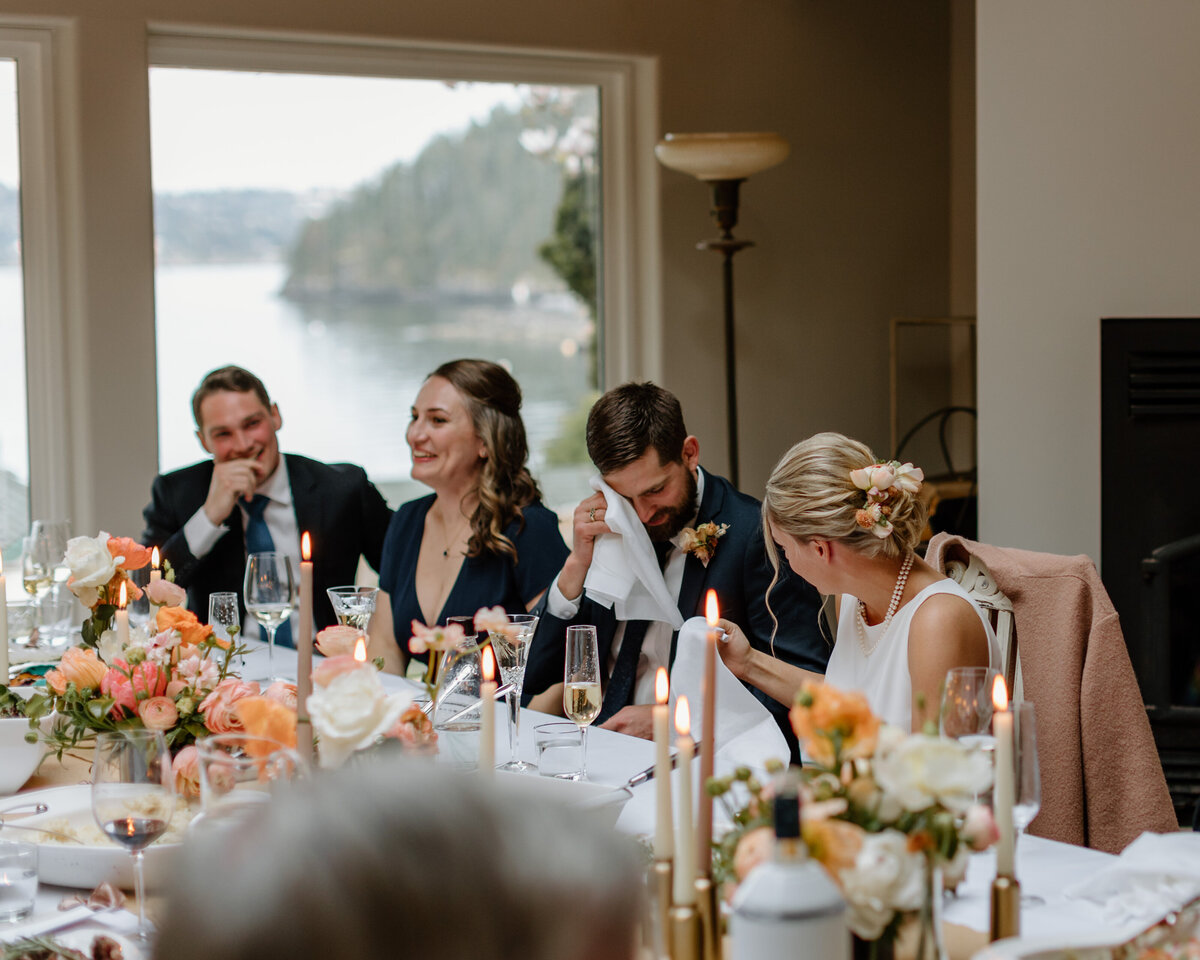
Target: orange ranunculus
[136,556]
[191,630]
[266,718]
[824,716]
[56,682]
[158,713]
[112,590]
[218,707]
[833,843]
[82,667]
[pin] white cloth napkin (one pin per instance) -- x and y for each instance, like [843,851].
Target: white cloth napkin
[1154,875]
[624,573]
[746,733]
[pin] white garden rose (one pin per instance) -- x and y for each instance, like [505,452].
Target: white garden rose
[886,877]
[351,711]
[92,566]
[922,770]
[109,647]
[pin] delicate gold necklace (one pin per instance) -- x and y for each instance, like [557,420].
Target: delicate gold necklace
[450,541]
[860,619]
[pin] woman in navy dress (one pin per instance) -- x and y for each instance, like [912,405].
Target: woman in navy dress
[483,537]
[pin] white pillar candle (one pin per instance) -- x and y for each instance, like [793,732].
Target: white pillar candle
[1003,794]
[664,841]
[155,563]
[487,713]
[304,650]
[123,618]
[3,626]
[685,838]
[708,738]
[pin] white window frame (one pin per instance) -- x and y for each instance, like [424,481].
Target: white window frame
[629,285]
[43,153]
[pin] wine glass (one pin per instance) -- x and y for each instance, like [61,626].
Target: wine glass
[56,612]
[224,616]
[37,567]
[353,606]
[270,591]
[581,683]
[966,710]
[133,796]
[1028,780]
[512,650]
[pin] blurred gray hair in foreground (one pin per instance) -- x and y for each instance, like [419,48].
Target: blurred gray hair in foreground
[400,858]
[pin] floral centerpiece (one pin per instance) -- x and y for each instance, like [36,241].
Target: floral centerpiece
[889,815]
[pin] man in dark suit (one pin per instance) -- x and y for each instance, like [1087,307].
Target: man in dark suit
[637,439]
[206,518]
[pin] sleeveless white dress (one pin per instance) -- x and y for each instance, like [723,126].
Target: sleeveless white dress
[883,674]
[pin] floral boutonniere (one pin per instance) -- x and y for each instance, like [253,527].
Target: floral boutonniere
[701,541]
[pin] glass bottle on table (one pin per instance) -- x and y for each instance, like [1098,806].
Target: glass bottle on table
[581,683]
[270,592]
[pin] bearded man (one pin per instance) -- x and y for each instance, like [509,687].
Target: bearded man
[637,439]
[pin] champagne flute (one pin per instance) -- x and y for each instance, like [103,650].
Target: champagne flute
[270,591]
[224,616]
[1028,780]
[512,650]
[581,683]
[133,797]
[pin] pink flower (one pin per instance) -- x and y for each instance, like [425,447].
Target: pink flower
[127,686]
[491,620]
[283,693]
[434,638]
[200,672]
[163,593]
[186,767]
[324,673]
[218,706]
[158,713]
[979,828]
[175,688]
[754,848]
[415,731]
[338,640]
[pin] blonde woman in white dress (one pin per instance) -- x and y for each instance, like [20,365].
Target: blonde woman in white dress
[850,524]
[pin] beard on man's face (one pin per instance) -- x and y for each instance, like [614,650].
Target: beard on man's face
[670,520]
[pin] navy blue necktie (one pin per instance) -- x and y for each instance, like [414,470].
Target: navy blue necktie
[259,540]
[624,675]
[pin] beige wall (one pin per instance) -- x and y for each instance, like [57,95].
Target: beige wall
[1088,207]
[852,230]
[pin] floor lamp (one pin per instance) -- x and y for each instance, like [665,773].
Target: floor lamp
[724,160]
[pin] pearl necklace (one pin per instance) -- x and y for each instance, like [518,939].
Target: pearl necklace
[860,619]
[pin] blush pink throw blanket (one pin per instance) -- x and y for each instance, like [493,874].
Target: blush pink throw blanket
[1102,781]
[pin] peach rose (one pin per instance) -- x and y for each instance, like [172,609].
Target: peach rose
[324,673]
[271,723]
[133,556]
[283,693]
[218,707]
[82,667]
[56,682]
[338,640]
[186,768]
[415,731]
[158,713]
[164,593]
[833,843]
[191,631]
[753,848]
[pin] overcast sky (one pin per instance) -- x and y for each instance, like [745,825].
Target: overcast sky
[214,130]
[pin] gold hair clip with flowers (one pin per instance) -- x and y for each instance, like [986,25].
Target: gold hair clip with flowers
[701,541]
[881,482]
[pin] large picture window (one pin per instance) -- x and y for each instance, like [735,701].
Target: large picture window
[342,236]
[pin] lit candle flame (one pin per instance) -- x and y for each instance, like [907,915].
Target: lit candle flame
[489,664]
[711,613]
[124,598]
[360,650]
[662,686]
[305,547]
[154,558]
[999,693]
[683,717]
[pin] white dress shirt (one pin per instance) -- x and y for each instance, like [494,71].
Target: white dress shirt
[656,647]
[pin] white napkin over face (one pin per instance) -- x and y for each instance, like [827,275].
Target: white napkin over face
[1157,873]
[624,574]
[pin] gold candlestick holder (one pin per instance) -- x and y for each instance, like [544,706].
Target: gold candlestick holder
[709,917]
[685,934]
[1006,908]
[664,877]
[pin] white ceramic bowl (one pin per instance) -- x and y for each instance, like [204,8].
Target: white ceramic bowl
[18,759]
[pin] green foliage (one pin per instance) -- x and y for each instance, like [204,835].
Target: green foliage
[571,251]
[569,446]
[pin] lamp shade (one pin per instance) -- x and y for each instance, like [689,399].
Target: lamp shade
[721,156]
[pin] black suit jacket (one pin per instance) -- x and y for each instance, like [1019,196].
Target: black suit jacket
[340,508]
[740,573]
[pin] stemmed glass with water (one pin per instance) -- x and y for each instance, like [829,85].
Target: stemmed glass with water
[353,606]
[270,593]
[224,616]
[581,683]
[1028,780]
[966,711]
[133,796]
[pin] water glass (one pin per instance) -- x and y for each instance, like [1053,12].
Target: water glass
[1028,781]
[239,772]
[224,616]
[353,606]
[966,709]
[270,591]
[559,750]
[18,880]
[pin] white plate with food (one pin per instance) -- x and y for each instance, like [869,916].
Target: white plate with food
[96,858]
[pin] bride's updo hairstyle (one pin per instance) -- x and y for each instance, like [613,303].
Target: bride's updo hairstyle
[811,496]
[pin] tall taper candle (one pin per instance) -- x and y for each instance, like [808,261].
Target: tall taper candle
[685,838]
[122,616]
[664,841]
[487,713]
[304,650]
[3,626]
[708,738]
[1002,792]
[155,565]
